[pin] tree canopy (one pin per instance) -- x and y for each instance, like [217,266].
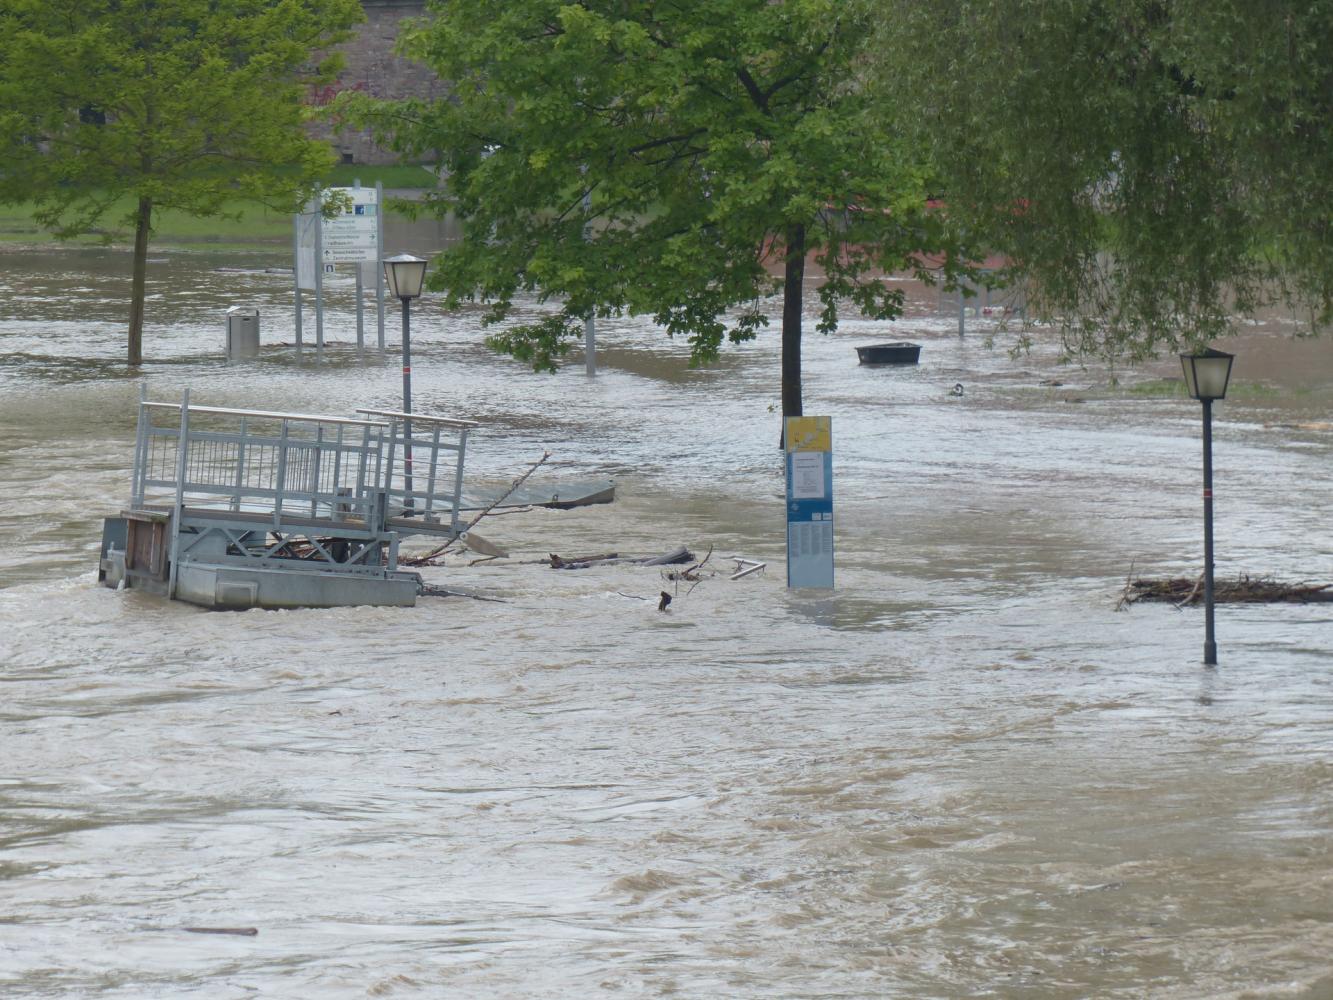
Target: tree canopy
[674,160]
[1152,168]
[182,104]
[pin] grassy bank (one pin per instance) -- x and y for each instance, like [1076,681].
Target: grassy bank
[242,225]
[1174,388]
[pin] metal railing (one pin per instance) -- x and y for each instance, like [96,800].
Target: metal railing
[283,464]
[384,465]
[423,469]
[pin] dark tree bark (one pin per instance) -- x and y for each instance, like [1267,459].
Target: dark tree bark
[138,283]
[792,298]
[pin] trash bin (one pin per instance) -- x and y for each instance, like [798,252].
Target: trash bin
[242,332]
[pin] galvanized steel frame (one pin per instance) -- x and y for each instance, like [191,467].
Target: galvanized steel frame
[333,487]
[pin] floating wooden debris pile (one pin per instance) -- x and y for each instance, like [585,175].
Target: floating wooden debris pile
[582,562]
[1182,590]
[680,554]
[691,573]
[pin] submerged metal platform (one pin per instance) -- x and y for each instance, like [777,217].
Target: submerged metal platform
[259,509]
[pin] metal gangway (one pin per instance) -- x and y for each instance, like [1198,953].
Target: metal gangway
[273,491]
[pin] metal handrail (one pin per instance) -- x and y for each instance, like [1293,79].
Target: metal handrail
[295,465]
[309,466]
[269,414]
[428,499]
[420,418]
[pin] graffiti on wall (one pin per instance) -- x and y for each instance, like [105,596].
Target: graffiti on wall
[321,96]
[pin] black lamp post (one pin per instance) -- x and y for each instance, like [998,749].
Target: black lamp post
[404,275]
[1206,376]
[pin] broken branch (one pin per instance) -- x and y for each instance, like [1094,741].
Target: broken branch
[435,553]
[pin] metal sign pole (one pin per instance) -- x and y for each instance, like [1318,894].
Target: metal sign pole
[379,259]
[590,345]
[319,279]
[360,315]
[360,297]
[407,400]
[296,275]
[1209,634]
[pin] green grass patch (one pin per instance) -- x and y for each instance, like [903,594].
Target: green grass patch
[1174,388]
[242,224]
[16,225]
[1161,388]
[1258,390]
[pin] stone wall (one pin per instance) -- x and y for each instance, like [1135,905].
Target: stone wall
[372,67]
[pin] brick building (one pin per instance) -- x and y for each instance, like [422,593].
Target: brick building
[372,67]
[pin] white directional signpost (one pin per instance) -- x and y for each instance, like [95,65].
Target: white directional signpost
[352,236]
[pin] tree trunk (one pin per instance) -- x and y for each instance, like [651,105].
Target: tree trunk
[138,283]
[792,299]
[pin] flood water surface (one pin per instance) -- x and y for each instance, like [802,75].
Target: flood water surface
[961,773]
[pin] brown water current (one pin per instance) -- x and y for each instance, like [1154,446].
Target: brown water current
[962,773]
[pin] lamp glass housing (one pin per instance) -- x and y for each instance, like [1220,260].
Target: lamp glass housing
[404,274]
[1207,373]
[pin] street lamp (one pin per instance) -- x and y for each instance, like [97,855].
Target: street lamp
[1206,376]
[404,275]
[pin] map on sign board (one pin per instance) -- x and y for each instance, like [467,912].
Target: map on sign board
[352,236]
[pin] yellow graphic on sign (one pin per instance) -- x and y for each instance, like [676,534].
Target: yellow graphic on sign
[809,433]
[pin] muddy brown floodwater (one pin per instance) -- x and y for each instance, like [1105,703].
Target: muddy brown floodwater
[962,773]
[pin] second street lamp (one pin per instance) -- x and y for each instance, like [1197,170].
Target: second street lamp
[404,276]
[1206,376]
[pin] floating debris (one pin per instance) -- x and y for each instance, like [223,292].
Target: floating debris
[435,553]
[744,567]
[680,554]
[1181,591]
[898,353]
[691,573]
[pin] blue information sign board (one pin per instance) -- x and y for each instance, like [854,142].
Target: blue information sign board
[809,501]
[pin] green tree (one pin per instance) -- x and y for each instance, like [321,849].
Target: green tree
[180,104]
[682,161]
[1152,168]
